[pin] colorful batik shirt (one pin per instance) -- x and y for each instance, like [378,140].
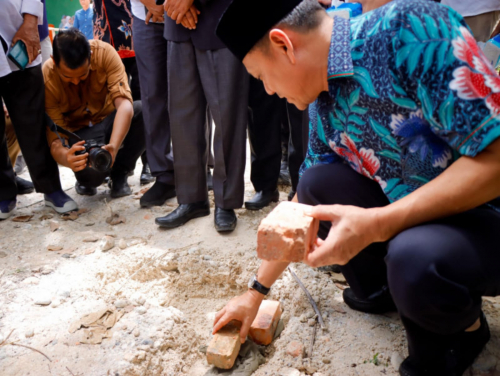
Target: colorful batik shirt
[409,93]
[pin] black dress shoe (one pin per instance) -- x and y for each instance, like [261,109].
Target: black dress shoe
[119,186]
[24,186]
[183,213]
[84,190]
[146,176]
[262,199]
[157,194]
[225,220]
[381,303]
[210,181]
[434,354]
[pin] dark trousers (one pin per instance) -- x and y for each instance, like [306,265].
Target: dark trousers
[132,147]
[24,95]
[151,57]
[130,64]
[197,78]
[436,271]
[267,114]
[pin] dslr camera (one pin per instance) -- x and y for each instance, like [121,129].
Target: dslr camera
[99,159]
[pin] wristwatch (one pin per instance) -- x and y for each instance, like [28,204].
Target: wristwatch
[257,286]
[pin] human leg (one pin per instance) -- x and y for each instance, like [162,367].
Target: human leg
[437,274]
[339,184]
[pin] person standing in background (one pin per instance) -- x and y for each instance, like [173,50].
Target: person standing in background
[84,19]
[113,24]
[480,15]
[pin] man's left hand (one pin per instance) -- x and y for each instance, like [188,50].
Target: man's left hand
[177,9]
[112,150]
[353,229]
[28,33]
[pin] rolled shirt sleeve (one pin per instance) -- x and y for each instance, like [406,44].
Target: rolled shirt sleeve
[33,7]
[117,80]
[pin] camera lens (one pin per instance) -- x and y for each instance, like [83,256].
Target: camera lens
[100,159]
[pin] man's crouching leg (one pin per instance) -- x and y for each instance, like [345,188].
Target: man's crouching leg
[366,273]
[437,273]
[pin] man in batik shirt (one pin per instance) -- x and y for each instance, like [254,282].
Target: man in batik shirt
[403,164]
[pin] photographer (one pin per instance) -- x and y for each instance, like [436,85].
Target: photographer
[87,93]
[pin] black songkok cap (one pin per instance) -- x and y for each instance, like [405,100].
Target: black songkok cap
[245,22]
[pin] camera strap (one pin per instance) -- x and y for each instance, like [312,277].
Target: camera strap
[57,129]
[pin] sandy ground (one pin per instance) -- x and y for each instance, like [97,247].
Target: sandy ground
[167,285]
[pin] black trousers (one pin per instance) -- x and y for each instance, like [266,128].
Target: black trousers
[436,271]
[24,95]
[267,113]
[132,148]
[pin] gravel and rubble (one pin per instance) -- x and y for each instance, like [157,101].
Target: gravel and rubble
[166,286]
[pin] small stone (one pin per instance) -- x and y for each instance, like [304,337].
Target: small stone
[56,303]
[138,299]
[207,257]
[31,281]
[326,361]
[295,349]
[29,333]
[54,248]
[43,301]
[107,243]
[136,332]
[311,322]
[122,244]
[54,226]
[3,254]
[396,360]
[141,310]
[66,255]
[194,251]
[89,224]
[65,293]
[148,342]
[90,239]
[157,344]
[46,270]
[122,303]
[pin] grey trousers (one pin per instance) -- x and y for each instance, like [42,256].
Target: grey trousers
[151,56]
[195,78]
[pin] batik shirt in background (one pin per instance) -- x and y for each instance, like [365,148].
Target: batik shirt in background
[409,93]
[113,24]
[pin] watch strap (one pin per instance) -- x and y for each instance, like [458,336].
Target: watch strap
[257,286]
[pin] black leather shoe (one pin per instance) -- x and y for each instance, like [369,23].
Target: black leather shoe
[85,191]
[210,181]
[146,176]
[183,213]
[381,303]
[157,194]
[262,199]
[120,187]
[24,186]
[434,354]
[225,220]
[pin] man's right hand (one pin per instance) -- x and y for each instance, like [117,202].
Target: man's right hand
[155,14]
[242,308]
[77,162]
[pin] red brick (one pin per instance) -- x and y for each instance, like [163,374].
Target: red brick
[286,234]
[265,323]
[225,346]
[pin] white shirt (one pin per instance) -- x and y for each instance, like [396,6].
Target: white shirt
[138,9]
[11,20]
[469,8]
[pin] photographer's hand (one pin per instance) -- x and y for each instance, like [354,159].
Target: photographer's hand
[112,150]
[77,162]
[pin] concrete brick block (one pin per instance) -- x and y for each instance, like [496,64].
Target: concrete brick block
[265,323]
[286,234]
[225,346]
